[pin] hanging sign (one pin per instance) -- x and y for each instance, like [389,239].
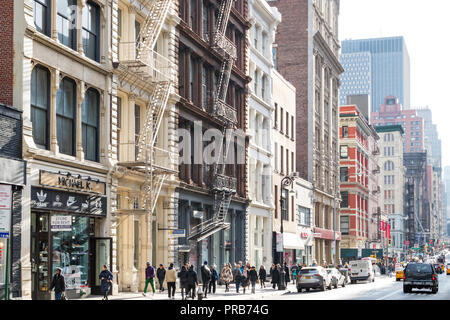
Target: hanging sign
[61,223]
[5,197]
[178,233]
[279,242]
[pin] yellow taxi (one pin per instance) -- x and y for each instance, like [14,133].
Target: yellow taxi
[399,272]
[448,269]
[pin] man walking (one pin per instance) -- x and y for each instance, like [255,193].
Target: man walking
[183,275]
[253,277]
[237,276]
[171,278]
[206,278]
[214,279]
[191,281]
[59,284]
[161,275]
[149,278]
[106,281]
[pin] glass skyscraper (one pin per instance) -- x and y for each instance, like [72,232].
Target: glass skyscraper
[388,74]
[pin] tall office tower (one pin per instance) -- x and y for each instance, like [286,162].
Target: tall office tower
[389,71]
[447,197]
[307,55]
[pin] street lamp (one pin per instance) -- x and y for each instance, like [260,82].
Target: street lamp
[286,182]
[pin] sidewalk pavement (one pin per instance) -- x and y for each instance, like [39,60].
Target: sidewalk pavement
[220,294]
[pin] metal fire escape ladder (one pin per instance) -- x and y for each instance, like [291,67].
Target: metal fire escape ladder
[224,187]
[143,67]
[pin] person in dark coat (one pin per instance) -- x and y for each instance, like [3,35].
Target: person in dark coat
[161,275]
[149,278]
[214,279]
[253,277]
[276,273]
[191,281]
[183,275]
[237,276]
[58,284]
[206,278]
[262,276]
[244,279]
[287,278]
[106,281]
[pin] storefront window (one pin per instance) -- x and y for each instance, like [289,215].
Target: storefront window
[71,253]
[3,253]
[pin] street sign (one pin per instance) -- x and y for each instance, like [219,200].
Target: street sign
[178,233]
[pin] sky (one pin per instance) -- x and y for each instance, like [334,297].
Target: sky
[425,26]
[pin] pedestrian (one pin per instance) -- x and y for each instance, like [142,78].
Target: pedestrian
[206,277]
[58,284]
[227,276]
[161,275]
[192,281]
[253,277]
[106,281]
[171,279]
[287,278]
[214,279]
[276,276]
[183,275]
[294,271]
[346,265]
[241,266]
[314,263]
[237,276]
[324,265]
[149,278]
[262,276]
[244,279]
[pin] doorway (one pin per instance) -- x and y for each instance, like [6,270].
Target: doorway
[100,254]
[40,257]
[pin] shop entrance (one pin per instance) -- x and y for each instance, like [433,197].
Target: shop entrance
[100,254]
[40,262]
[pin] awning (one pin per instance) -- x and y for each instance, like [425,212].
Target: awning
[292,241]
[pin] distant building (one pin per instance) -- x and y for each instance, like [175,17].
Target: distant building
[391,113]
[389,72]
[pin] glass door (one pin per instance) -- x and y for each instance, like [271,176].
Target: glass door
[40,262]
[100,254]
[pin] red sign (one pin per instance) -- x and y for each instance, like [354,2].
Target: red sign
[304,234]
[406,242]
[327,234]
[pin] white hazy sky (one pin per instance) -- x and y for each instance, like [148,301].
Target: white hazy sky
[425,25]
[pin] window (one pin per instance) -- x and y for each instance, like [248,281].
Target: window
[274,57]
[345,225]
[263,42]
[256,37]
[204,21]
[119,22]
[42,15]
[388,166]
[281,120]
[90,124]
[292,127]
[287,123]
[263,87]
[65,22]
[204,87]
[344,132]
[119,124]
[276,116]
[276,157]
[91,31]
[303,216]
[344,174]
[344,152]
[40,102]
[287,161]
[282,159]
[192,13]
[65,116]
[191,79]
[256,82]
[284,205]
[344,197]
[137,127]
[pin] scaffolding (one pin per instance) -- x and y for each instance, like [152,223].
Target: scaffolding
[224,187]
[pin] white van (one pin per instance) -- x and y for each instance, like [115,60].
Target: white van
[361,270]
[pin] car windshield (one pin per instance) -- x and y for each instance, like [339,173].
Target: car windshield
[305,271]
[419,268]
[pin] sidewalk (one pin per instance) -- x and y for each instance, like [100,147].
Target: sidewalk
[219,295]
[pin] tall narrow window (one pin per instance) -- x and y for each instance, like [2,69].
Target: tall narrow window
[91,30]
[119,124]
[204,87]
[344,196]
[292,127]
[90,124]
[137,127]
[193,7]
[119,21]
[276,116]
[281,120]
[66,22]
[42,16]
[256,82]
[274,56]
[65,116]
[191,79]
[263,87]
[344,132]
[40,102]
[263,43]
[205,21]
[282,160]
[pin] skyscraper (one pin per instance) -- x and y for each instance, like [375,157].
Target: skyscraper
[389,71]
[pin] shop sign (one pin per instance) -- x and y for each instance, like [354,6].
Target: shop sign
[61,223]
[279,242]
[71,182]
[304,235]
[178,233]
[5,197]
[49,199]
[5,223]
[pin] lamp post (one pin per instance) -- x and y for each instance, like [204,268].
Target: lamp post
[286,182]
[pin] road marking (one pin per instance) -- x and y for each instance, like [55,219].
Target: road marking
[387,296]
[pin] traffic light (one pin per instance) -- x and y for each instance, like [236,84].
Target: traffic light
[389,242]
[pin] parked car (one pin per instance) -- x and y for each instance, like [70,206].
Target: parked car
[337,279]
[420,275]
[438,268]
[313,278]
[361,270]
[346,274]
[448,269]
[399,274]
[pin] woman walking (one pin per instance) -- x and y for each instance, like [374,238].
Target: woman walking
[183,275]
[262,276]
[244,279]
[106,280]
[253,277]
[227,276]
[237,276]
[276,276]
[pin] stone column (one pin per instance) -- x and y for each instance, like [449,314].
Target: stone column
[131,139]
[53,14]
[54,87]
[79,23]
[81,91]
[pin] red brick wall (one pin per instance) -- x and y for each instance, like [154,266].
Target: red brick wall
[292,63]
[6,52]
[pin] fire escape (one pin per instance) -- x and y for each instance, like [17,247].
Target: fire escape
[150,75]
[224,187]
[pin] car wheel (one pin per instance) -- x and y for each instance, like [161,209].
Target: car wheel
[336,285]
[323,287]
[353,281]
[434,290]
[398,279]
[406,289]
[307,289]
[299,290]
[343,284]
[330,287]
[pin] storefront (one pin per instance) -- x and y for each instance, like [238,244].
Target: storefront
[67,212]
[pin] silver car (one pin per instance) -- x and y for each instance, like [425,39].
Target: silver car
[313,278]
[337,278]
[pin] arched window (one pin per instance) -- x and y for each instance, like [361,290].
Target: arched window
[65,116]
[90,124]
[40,105]
[388,166]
